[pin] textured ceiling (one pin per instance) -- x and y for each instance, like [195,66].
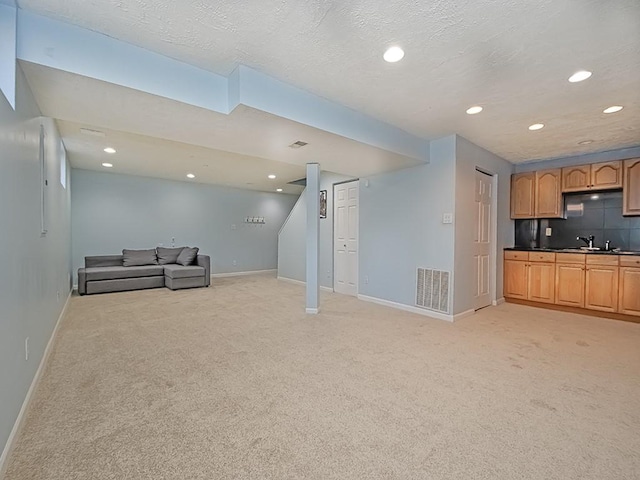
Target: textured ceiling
[510,56]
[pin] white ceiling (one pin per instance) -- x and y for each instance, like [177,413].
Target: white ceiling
[509,56]
[156,136]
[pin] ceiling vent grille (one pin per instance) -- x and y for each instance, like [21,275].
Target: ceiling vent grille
[433,290]
[298,144]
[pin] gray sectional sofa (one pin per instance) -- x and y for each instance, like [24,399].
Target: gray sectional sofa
[174,268]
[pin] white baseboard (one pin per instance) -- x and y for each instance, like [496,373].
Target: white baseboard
[240,274]
[408,308]
[299,282]
[497,302]
[467,313]
[17,426]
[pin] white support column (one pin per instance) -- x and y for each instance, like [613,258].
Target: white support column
[313,237]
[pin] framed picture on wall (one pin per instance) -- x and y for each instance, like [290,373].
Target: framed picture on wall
[323,204]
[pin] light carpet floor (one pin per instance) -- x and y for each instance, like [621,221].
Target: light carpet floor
[236,382]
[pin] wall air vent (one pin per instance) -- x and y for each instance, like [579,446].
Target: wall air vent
[298,144]
[433,290]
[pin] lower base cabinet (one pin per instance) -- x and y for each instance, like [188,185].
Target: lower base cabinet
[542,281]
[601,288]
[629,291]
[570,285]
[602,282]
[515,279]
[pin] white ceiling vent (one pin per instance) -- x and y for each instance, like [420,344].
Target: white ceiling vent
[93,133]
[433,290]
[298,144]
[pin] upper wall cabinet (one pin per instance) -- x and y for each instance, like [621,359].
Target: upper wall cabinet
[631,189]
[536,194]
[548,198]
[523,191]
[597,176]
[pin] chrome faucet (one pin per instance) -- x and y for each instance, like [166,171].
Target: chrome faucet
[588,241]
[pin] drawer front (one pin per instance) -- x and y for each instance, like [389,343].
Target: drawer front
[595,259]
[571,258]
[516,255]
[630,260]
[542,257]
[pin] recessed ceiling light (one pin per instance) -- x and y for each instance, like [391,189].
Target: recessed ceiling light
[272,176]
[613,109]
[474,110]
[393,54]
[536,126]
[190,175]
[579,76]
[278,189]
[110,150]
[107,165]
[585,142]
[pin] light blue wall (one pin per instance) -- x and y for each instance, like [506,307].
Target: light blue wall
[468,157]
[292,243]
[59,45]
[607,156]
[401,225]
[35,273]
[8,19]
[111,212]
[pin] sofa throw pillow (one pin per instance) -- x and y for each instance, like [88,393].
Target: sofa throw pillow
[133,258]
[187,256]
[168,255]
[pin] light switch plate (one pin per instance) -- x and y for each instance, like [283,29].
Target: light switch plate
[547,232]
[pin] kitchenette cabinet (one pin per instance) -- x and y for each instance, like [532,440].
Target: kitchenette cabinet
[631,189]
[583,282]
[629,286]
[523,192]
[537,194]
[597,176]
[601,283]
[530,277]
[569,282]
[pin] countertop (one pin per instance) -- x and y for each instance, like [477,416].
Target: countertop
[575,250]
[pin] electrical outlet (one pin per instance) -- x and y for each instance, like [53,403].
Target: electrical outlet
[233,227]
[235,263]
[26,348]
[366,279]
[547,232]
[58,295]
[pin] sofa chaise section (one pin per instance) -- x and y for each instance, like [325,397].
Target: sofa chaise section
[107,273]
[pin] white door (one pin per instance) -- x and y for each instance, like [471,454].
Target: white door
[482,239]
[345,238]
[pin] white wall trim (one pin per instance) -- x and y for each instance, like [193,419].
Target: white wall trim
[19,423]
[407,308]
[499,301]
[464,314]
[240,274]
[300,282]
[312,311]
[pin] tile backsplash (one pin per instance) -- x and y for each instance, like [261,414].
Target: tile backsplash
[598,214]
